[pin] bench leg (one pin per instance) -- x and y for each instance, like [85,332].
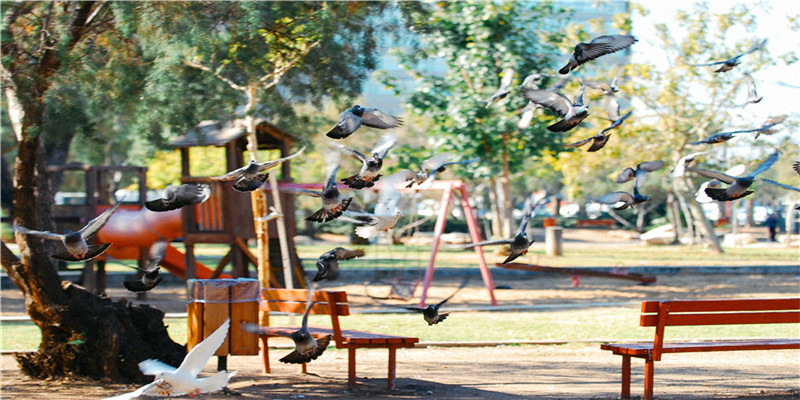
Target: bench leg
[265,353]
[626,377]
[648,378]
[303,369]
[351,367]
[392,364]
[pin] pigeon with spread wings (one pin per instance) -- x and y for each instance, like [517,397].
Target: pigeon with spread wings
[371,166]
[328,262]
[518,245]
[306,347]
[571,113]
[728,64]
[352,119]
[176,197]
[250,177]
[599,140]
[150,278]
[332,202]
[75,242]
[434,165]
[752,95]
[431,313]
[170,381]
[598,47]
[737,185]
[623,200]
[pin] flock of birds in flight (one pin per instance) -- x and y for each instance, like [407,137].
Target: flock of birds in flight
[172,381]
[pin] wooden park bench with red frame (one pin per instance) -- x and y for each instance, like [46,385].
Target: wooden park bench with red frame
[661,314]
[333,304]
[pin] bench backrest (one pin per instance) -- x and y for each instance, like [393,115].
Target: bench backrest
[716,312]
[294,301]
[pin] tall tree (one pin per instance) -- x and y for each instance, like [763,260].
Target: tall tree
[477,42]
[82,333]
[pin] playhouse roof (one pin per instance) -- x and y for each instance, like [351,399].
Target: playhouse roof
[220,133]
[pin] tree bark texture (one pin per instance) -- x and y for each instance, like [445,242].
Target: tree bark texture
[702,224]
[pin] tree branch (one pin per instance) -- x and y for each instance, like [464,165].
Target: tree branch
[195,64]
[277,73]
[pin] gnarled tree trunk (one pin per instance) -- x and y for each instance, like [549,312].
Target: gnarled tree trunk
[82,334]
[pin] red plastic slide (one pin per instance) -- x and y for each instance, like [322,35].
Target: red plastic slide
[134,227]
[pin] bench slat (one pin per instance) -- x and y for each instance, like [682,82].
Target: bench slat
[724,305]
[642,349]
[732,318]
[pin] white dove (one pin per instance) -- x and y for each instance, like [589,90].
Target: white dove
[386,212]
[170,381]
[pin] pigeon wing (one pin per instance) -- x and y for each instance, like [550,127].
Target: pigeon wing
[249,185]
[348,123]
[580,143]
[375,118]
[796,167]
[601,46]
[302,191]
[770,181]
[94,225]
[45,234]
[156,254]
[344,254]
[626,175]
[713,175]
[385,143]
[766,164]
[155,367]
[486,243]
[612,107]
[271,164]
[598,143]
[312,289]
[199,355]
[92,252]
[435,162]
[557,102]
[235,174]
[751,85]
[615,197]
[142,391]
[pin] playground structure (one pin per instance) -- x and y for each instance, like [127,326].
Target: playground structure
[226,217]
[448,187]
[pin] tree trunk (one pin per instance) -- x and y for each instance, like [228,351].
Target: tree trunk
[497,227]
[674,219]
[505,186]
[82,334]
[749,206]
[702,224]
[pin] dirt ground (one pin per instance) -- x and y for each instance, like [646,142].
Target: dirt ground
[572,371]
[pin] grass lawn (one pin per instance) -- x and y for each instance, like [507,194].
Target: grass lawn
[601,324]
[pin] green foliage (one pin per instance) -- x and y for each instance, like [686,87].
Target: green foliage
[476,42]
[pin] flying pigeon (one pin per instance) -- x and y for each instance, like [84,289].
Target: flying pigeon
[386,213]
[607,88]
[571,114]
[434,165]
[701,195]
[627,199]
[307,348]
[599,140]
[680,166]
[176,197]
[250,177]
[640,173]
[150,278]
[353,118]
[598,47]
[332,203]
[796,167]
[75,242]
[328,263]
[370,170]
[518,244]
[532,82]
[752,96]
[765,128]
[431,312]
[170,381]
[507,78]
[718,138]
[728,64]
[738,185]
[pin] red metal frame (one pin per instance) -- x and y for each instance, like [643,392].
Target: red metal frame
[472,224]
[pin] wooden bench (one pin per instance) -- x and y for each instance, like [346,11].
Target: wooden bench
[661,314]
[335,305]
[591,223]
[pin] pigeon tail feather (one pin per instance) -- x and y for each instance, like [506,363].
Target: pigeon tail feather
[93,251]
[216,382]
